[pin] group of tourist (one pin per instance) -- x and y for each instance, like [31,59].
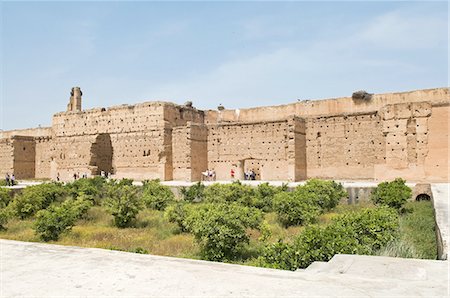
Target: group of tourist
[10,179]
[250,175]
[209,175]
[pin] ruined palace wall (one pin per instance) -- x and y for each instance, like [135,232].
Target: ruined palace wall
[6,157]
[141,138]
[30,132]
[263,146]
[437,164]
[189,147]
[344,147]
[24,157]
[44,153]
[137,139]
[335,106]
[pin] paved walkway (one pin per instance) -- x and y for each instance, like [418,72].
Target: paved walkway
[43,270]
[441,198]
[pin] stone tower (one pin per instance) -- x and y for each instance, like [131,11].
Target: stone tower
[75,99]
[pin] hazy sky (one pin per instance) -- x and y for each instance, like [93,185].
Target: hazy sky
[239,54]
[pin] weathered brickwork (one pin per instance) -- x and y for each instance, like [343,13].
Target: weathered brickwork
[387,136]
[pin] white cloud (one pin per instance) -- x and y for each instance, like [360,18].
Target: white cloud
[405,30]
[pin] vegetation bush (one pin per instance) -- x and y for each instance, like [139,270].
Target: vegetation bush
[362,232]
[228,193]
[3,182]
[194,193]
[90,187]
[124,204]
[5,197]
[37,197]
[220,229]
[56,219]
[393,194]
[417,235]
[5,215]
[328,193]
[295,208]
[264,195]
[177,213]
[156,196]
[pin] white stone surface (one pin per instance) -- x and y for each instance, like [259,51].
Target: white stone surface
[42,270]
[441,198]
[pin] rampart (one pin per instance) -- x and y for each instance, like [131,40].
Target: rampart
[386,136]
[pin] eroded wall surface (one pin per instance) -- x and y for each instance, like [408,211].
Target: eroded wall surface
[391,135]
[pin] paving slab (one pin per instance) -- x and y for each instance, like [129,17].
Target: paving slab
[441,198]
[44,270]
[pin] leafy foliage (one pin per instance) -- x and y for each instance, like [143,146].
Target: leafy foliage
[361,232]
[56,219]
[89,187]
[220,229]
[393,194]
[5,197]
[295,208]
[306,202]
[265,194]
[156,196]
[327,193]
[37,197]
[194,193]
[177,213]
[228,193]
[124,204]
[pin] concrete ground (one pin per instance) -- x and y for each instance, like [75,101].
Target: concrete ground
[441,200]
[43,270]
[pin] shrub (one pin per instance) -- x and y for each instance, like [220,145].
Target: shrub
[233,192]
[177,213]
[56,219]
[295,208]
[194,193]
[264,195]
[328,193]
[37,197]
[91,187]
[5,197]
[156,196]
[124,204]
[5,215]
[220,229]
[361,232]
[393,194]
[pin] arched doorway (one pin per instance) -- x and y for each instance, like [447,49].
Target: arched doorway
[423,197]
[101,154]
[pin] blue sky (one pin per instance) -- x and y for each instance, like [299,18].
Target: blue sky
[239,54]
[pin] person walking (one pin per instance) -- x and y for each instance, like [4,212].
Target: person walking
[7,179]
[13,180]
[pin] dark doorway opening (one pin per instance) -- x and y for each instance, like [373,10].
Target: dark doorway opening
[102,154]
[423,197]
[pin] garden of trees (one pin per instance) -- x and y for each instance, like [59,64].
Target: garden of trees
[264,226]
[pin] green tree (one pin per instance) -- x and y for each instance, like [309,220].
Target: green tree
[60,218]
[156,196]
[228,193]
[124,204]
[296,208]
[393,194]
[37,197]
[328,193]
[221,229]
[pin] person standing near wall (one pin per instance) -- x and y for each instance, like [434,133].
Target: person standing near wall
[7,179]
[232,174]
[13,179]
